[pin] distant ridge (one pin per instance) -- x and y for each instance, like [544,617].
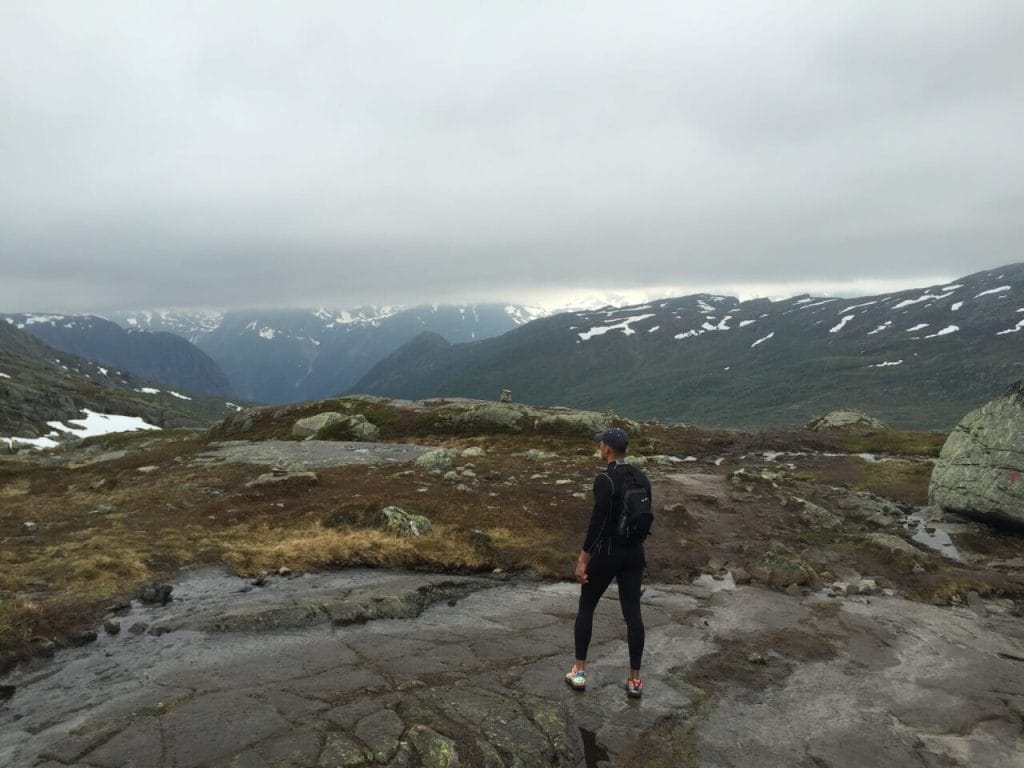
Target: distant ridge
[160,357]
[39,384]
[918,358]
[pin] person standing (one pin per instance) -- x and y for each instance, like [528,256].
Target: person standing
[605,556]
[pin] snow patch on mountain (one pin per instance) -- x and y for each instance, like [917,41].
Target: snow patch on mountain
[689,334]
[887,364]
[95,424]
[991,291]
[600,330]
[918,327]
[857,306]
[761,341]
[944,332]
[1019,326]
[842,324]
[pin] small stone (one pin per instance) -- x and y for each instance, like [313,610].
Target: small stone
[30,527]
[284,571]
[474,451]
[451,476]
[260,580]
[82,637]
[867,587]
[138,628]
[563,481]
[155,592]
[148,469]
[112,626]
[756,658]
[103,509]
[740,576]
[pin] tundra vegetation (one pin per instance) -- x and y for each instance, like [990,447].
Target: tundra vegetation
[84,528]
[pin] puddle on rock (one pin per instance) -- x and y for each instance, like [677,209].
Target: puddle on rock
[932,536]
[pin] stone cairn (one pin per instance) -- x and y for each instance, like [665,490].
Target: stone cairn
[506,396]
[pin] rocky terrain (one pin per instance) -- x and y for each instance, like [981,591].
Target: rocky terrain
[370,582]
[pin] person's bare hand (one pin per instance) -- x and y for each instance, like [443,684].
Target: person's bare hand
[581,572]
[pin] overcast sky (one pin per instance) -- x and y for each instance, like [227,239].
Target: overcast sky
[293,154]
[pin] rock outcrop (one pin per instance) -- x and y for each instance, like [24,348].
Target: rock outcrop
[980,472]
[844,419]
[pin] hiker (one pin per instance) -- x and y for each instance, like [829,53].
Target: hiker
[614,548]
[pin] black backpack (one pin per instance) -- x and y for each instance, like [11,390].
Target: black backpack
[634,516]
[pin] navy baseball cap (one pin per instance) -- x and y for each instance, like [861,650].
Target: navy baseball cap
[614,437]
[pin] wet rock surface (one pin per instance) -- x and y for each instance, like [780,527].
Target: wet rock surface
[387,668]
[310,453]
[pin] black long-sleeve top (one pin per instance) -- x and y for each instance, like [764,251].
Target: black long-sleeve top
[605,493]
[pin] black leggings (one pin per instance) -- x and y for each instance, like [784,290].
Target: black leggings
[627,567]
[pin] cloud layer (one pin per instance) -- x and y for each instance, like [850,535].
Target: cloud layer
[250,153]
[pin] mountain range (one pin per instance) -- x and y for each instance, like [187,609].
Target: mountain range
[280,356]
[919,358]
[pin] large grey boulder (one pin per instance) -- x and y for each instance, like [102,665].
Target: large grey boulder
[436,461]
[356,427]
[845,418]
[980,471]
[310,426]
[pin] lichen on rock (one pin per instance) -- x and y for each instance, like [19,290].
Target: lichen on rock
[980,471]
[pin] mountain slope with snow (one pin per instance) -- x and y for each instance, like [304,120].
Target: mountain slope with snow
[918,358]
[155,356]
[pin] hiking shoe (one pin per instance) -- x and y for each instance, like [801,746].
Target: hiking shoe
[576,680]
[634,687]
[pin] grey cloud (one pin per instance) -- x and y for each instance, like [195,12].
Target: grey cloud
[277,154]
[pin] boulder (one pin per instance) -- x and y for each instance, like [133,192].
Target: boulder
[155,592]
[472,452]
[817,517]
[865,507]
[491,417]
[311,425]
[779,567]
[437,461]
[844,419]
[397,520]
[980,471]
[891,543]
[355,427]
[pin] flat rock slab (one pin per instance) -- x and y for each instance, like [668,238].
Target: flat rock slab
[310,453]
[387,668]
